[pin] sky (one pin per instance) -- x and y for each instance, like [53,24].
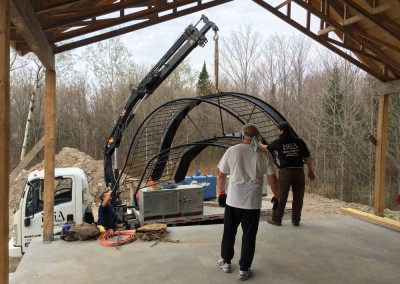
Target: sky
[150,44]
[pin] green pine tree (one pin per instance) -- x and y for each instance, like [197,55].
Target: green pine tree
[204,85]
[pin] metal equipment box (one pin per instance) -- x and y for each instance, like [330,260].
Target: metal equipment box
[190,199]
[158,202]
[208,182]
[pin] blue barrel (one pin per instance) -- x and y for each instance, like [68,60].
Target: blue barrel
[208,182]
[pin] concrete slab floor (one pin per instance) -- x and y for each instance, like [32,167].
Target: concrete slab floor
[335,250]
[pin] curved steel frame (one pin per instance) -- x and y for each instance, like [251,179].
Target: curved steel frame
[163,123]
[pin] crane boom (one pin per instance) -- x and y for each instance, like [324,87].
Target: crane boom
[189,40]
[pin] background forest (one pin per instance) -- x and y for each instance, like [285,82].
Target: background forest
[330,103]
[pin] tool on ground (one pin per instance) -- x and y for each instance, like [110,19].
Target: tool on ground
[114,239]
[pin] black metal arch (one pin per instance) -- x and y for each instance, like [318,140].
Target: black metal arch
[179,158]
[158,131]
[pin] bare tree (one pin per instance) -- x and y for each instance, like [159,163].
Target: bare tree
[239,55]
[39,77]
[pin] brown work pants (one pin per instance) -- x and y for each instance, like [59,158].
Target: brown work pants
[291,177]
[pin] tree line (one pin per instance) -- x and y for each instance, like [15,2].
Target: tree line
[330,103]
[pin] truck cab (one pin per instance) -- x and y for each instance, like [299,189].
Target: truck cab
[71,197]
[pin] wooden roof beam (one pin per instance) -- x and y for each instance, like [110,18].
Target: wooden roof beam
[21,48]
[380,9]
[364,35]
[376,19]
[353,33]
[343,23]
[322,40]
[384,7]
[24,19]
[141,15]
[45,6]
[79,15]
[138,26]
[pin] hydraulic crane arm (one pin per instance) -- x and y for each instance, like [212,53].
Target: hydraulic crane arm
[190,39]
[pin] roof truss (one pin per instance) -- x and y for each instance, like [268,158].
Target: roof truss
[365,32]
[359,31]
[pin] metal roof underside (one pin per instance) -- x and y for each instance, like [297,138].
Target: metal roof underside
[365,32]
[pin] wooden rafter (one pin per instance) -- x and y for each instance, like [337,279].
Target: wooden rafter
[23,17]
[360,39]
[156,20]
[93,26]
[356,35]
[78,15]
[377,72]
[45,6]
[369,29]
[376,19]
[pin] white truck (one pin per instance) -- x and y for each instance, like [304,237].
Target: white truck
[71,197]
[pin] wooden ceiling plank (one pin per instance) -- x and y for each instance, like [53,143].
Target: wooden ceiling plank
[384,7]
[94,26]
[80,15]
[25,20]
[365,36]
[344,23]
[322,40]
[138,26]
[46,6]
[380,42]
[377,20]
[114,7]
[349,32]
[134,16]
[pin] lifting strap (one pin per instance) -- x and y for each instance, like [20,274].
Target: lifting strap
[216,61]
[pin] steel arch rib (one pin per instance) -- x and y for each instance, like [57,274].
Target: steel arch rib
[183,107]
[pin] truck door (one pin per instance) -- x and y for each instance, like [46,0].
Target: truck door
[33,209]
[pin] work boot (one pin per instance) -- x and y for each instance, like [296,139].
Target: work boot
[244,275]
[271,220]
[226,267]
[296,224]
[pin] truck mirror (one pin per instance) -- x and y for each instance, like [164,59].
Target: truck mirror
[27,222]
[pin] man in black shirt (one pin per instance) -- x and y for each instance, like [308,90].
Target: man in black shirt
[107,217]
[292,152]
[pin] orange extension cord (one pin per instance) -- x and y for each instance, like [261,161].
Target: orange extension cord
[114,239]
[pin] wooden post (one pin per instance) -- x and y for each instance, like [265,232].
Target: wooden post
[49,156]
[4,135]
[380,161]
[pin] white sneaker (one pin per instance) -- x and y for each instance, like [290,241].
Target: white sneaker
[226,267]
[244,275]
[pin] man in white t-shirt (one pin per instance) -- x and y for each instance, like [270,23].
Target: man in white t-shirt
[246,164]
